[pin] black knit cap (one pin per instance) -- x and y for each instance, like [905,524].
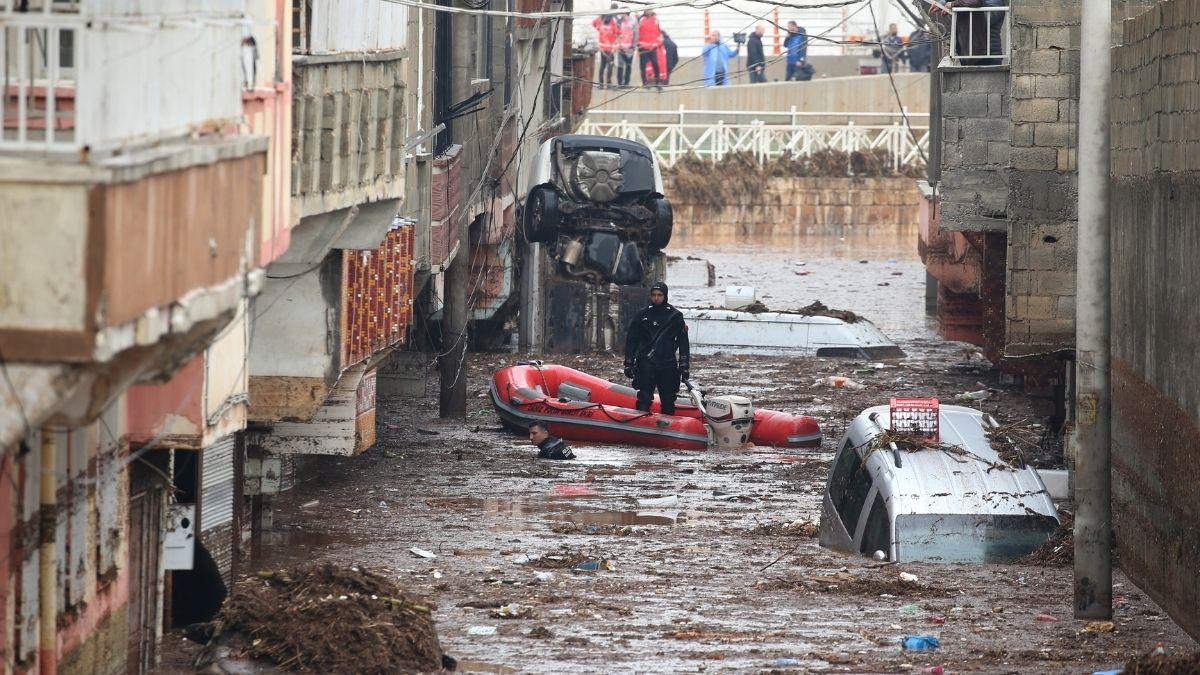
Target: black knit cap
[661,286]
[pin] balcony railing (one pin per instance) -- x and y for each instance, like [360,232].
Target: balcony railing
[71,81]
[38,102]
[981,36]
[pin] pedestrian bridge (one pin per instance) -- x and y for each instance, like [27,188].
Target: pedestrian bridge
[767,136]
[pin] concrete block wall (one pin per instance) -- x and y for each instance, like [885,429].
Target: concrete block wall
[800,206]
[1155,164]
[1042,188]
[347,134]
[976,133]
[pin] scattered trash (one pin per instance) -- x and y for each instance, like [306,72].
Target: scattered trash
[383,505]
[787,661]
[1099,627]
[1117,671]
[909,608]
[595,565]
[980,395]
[355,511]
[544,577]
[796,528]
[309,505]
[1045,617]
[864,262]
[481,630]
[897,274]
[838,382]
[540,633]
[883,283]
[573,491]
[892,261]
[879,555]
[936,620]
[422,553]
[911,578]
[659,502]
[934,670]
[1160,663]
[511,611]
[921,643]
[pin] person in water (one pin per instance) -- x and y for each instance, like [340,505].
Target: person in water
[549,447]
[654,337]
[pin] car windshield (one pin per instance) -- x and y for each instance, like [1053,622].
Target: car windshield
[970,538]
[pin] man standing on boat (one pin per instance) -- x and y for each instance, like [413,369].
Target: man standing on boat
[651,343]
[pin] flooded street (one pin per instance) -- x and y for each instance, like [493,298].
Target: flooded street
[550,567]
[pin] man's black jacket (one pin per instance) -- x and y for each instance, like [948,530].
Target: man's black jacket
[754,50]
[655,335]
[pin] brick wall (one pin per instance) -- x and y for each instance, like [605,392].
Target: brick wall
[1040,306]
[797,206]
[976,134]
[1155,166]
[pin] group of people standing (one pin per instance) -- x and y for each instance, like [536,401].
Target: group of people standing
[917,51]
[717,55]
[621,37]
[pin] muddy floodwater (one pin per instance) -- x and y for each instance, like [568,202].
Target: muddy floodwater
[724,577]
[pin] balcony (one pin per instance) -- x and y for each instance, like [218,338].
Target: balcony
[77,83]
[982,37]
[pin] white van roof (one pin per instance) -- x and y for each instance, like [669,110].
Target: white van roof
[932,481]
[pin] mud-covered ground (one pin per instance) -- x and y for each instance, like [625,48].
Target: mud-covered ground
[725,580]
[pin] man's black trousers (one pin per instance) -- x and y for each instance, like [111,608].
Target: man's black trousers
[650,57]
[666,380]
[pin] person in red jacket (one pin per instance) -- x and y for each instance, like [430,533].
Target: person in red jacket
[649,39]
[606,27]
[626,46]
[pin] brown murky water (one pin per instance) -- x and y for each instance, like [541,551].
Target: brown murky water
[697,586]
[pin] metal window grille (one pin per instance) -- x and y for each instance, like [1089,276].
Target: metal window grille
[980,36]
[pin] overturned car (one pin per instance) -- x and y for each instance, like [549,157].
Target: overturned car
[598,205]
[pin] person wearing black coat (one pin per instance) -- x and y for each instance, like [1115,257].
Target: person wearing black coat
[756,59]
[672,55]
[654,337]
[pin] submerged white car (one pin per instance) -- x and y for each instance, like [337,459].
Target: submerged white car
[956,502]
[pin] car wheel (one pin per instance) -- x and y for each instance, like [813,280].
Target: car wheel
[541,215]
[661,226]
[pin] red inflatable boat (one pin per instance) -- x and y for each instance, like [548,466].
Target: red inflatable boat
[582,407]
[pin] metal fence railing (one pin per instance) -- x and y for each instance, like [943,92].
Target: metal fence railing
[37,105]
[672,141]
[981,36]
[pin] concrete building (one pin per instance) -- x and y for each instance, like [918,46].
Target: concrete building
[998,224]
[139,208]
[1155,244]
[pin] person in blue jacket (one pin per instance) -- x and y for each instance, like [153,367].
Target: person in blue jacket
[716,60]
[796,45]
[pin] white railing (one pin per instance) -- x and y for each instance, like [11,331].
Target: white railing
[71,81]
[672,141]
[792,116]
[37,105]
[980,36]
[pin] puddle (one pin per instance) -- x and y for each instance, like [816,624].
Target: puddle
[619,517]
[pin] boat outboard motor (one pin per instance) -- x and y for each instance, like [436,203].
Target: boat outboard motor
[729,419]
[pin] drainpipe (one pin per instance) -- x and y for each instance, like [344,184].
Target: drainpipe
[1092,437]
[47,567]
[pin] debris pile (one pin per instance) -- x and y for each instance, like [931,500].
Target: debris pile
[329,619]
[1059,549]
[818,308]
[1014,444]
[740,176]
[796,528]
[1163,664]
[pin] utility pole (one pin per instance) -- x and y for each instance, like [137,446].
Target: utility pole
[1093,438]
[452,366]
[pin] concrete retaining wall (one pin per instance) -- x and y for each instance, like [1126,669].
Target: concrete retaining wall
[798,206]
[866,93]
[1155,274]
